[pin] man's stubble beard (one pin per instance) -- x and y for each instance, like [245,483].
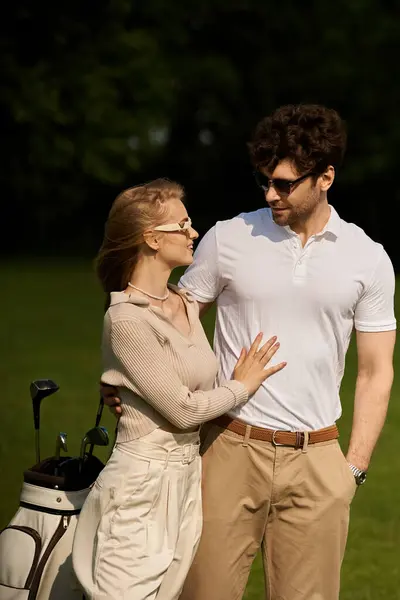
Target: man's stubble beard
[300,213]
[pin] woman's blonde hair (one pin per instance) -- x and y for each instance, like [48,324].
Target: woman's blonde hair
[133,211]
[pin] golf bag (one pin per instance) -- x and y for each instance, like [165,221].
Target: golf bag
[35,548]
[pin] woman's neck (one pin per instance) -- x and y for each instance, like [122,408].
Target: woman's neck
[151,277]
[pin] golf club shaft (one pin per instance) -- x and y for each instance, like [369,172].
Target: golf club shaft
[99,411]
[97,422]
[82,454]
[57,457]
[37,445]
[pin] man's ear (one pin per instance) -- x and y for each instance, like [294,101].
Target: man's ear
[152,240]
[327,178]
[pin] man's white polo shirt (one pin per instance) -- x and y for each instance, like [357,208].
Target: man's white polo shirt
[311,297]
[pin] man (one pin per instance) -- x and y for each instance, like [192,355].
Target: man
[298,271]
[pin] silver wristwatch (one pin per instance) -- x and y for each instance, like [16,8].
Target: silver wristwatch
[359,475]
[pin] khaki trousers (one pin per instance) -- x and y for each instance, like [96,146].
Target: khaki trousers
[294,504]
[141,523]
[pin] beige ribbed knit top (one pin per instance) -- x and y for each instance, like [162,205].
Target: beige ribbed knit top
[162,375]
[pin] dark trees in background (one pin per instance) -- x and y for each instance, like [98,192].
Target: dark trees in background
[96,96]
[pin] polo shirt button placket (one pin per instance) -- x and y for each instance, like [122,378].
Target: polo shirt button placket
[300,269]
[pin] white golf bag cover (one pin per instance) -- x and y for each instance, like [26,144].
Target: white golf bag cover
[36,547]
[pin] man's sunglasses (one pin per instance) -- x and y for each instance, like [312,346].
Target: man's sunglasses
[281,186]
[182,226]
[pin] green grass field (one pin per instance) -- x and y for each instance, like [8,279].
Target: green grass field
[52,316]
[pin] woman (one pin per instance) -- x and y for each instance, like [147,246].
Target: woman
[140,526]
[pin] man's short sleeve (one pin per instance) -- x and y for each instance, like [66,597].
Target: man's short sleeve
[203,278]
[375,309]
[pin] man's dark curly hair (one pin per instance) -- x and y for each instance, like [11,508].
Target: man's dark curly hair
[311,136]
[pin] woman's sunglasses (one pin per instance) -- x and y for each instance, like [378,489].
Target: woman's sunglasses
[281,186]
[183,226]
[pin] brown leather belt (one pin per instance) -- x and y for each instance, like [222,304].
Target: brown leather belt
[277,437]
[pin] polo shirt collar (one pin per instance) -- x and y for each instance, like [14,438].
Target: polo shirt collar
[132,298]
[333,225]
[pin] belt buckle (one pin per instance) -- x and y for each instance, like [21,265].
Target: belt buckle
[193,451]
[274,442]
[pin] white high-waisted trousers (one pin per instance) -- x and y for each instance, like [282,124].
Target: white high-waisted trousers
[141,523]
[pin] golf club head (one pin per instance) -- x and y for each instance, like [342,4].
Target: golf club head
[39,389]
[61,443]
[97,436]
[104,437]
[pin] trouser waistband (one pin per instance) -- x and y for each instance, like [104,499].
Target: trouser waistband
[296,439]
[162,445]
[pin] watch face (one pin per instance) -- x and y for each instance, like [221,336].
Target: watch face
[361,477]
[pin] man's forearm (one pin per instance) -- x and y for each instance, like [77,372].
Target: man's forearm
[370,408]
